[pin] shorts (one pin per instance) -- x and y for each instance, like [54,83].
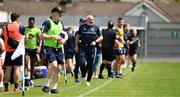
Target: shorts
[30,52]
[132,52]
[119,52]
[9,62]
[126,52]
[54,54]
[69,54]
[2,56]
[108,55]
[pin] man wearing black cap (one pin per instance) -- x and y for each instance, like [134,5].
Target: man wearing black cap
[79,62]
[54,38]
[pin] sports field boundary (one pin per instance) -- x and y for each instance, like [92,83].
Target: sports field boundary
[106,83]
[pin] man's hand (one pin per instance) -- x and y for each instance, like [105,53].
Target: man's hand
[76,49]
[54,37]
[38,50]
[93,43]
[61,41]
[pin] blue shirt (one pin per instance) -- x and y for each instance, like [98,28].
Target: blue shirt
[70,43]
[88,33]
[21,29]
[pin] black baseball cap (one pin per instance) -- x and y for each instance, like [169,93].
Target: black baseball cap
[82,20]
[57,9]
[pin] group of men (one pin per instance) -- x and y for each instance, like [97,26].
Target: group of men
[89,44]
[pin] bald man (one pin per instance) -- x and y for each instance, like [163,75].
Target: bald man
[90,36]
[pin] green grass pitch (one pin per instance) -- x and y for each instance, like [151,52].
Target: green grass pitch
[150,79]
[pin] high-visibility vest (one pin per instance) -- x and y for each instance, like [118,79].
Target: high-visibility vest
[13,30]
[55,29]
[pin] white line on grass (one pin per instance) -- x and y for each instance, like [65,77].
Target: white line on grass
[107,82]
[72,87]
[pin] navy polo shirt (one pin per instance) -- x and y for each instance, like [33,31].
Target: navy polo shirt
[88,33]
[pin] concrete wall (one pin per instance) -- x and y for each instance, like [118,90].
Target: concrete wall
[3,16]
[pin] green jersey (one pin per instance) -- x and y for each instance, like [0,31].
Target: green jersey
[31,37]
[55,29]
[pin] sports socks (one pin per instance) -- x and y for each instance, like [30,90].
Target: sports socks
[101,68]
[54,86]
[47,82]
[108,66]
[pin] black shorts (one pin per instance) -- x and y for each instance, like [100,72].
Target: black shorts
[69,54]
[9,62]
[108,55]
[30,52]
[132,52]
[55,55]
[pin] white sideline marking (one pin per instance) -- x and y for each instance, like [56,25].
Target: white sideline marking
[107,82]
[71,87]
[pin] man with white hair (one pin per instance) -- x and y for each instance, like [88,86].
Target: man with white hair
[90,36]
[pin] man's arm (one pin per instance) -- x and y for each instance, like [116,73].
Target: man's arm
[63,39]
[2,46]
[40,42]
[46,26]
[77,43]
[98,39]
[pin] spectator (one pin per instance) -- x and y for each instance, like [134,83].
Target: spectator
[32,48]
[2,56]
[70,50]
[79,62]
[16,32]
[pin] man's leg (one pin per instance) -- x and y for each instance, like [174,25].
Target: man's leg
[33,62]
[1,73]
[56,70]
[134,58]
[109,69]
[16,78]
[90,62]
[49,74]
[7,77]
[83,65]
[28,68]
[48,78]
[122,61]
[101,70]
[76,68]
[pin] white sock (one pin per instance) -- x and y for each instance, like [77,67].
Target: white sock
[54,86]
[47,82]
[126,64]
[123,66]
[121,69]
[27,78]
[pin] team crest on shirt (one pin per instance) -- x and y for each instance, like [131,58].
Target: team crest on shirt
[31,36]
[92,29]
[84,29]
